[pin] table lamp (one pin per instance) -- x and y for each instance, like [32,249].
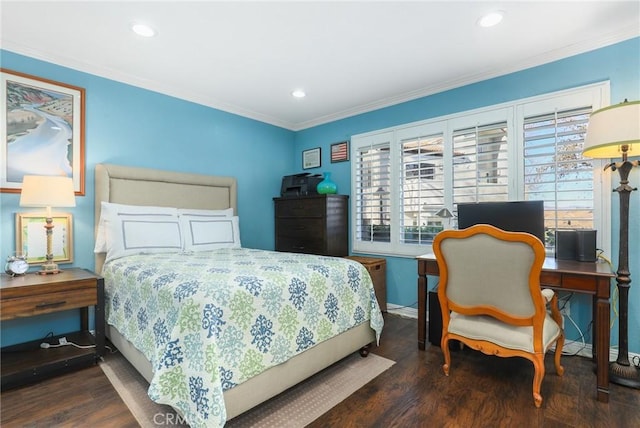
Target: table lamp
[444,213]
[47,191]
[614,131]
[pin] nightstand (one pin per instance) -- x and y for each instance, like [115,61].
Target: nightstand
[377,268]
[33,294]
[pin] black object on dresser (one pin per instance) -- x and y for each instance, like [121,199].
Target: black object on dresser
[312,224]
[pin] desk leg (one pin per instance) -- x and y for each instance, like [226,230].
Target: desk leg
[422,311]
[601,354]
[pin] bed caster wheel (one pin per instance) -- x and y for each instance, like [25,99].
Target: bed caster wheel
[364,352]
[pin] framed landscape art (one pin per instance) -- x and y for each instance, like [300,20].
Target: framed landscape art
[42,127]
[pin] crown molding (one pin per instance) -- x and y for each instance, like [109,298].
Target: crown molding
[112,74]
[548,57]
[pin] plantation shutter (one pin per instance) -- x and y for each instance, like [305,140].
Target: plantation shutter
[555,170]
[422,187]
[480,164]
[373,185]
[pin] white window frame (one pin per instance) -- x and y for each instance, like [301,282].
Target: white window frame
[597,95]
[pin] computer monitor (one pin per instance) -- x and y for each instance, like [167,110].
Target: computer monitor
[515,216]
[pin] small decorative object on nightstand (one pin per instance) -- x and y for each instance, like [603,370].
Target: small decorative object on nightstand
[31,295]
[16,264]
[377,268]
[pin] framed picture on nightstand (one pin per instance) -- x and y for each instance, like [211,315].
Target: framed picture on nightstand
[31,237]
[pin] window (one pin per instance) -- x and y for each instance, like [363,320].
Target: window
[373,190]
[421,188]
[529,149]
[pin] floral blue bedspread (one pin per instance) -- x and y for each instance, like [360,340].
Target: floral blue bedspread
[208,321]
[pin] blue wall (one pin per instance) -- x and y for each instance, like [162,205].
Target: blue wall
[619,63]
[132,126]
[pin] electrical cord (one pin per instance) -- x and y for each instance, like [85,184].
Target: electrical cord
[62,341]
[564,301]
[614,297]
[581,338]
[46,345]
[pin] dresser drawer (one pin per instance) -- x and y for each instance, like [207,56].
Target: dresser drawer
[300,245]
[308,207]
[308,228]
[47,303]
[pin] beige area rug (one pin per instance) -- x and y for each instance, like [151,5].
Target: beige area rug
[296,407]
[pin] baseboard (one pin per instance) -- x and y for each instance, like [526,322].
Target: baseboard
[570,347]
[577,348]
[403,311]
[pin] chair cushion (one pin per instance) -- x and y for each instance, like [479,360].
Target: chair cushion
[482,327]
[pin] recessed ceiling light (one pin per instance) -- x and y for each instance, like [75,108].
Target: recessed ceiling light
[491,19]
[143,30]
[298,93]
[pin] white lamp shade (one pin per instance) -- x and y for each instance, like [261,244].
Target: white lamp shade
[612,127]
[47,191]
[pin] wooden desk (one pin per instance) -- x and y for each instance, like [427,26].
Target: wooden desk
[562,275]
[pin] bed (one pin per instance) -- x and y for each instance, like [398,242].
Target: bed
[116,184]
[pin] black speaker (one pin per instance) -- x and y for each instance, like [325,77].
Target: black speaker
[586,245]
[566,244]
[435,318]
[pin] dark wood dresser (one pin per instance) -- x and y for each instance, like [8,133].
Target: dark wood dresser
[313,224]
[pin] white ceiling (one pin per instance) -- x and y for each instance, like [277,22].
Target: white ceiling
[350,57]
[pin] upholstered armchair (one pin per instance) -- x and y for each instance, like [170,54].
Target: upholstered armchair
[491,300]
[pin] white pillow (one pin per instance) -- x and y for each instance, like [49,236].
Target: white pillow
[202,233]
[109,209]
[129,234]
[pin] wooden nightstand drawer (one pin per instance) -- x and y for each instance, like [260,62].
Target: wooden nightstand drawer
[47,303]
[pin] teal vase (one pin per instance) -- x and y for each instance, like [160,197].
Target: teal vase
[326,186]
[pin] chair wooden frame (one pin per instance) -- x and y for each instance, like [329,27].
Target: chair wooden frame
[539,297]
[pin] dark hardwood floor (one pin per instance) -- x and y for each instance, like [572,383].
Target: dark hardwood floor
[481,391]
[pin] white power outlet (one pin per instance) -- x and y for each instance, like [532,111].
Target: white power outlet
[566,309]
